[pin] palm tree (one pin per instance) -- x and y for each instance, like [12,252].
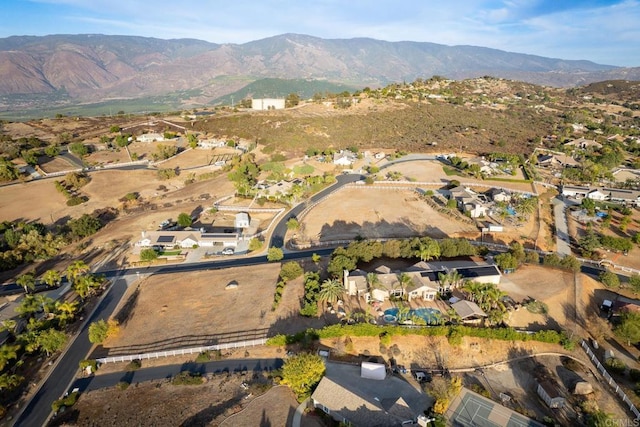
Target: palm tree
[526,206]
[331,291]
[65,311]
[8,352]
[8,325]
[452,279]
[52,278]
[77,269]
[28,306]
[373,281]
[428,249]
[405,281]
[86,286]
[27,281]
[10,381]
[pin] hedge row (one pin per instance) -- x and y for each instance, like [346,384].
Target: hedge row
[369,330]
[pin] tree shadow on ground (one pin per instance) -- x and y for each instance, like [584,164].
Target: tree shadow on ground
[206,416]
[344,230]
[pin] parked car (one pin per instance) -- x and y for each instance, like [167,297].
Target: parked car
[228,251]
[422,376]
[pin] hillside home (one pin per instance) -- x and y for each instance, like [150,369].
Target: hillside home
[468,201]
[344,158]
[264,104]
[186,239]
[212,143]
[615,195]
[499,195]
[556,160]
[468,311]
[583,143]
[242,220]
[352,397]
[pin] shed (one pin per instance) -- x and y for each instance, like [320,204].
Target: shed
[242,220]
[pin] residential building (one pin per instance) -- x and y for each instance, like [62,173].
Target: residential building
[583,143]
[499,195]
[468,201]
[344,158]
[242,220]
[186,239]
[556,160]
[263,104]
[548,389]
[615,195]
[468,311]
[353,399]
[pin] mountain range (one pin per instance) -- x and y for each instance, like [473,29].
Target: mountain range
[90,68]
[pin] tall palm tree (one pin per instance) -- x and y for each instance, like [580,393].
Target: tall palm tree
[331,291]
[86,286]
[52,278]
[428,249]
[27,281]
[28,306]
[373,280]
[404,281]
[65,311]
[77,269]
[10,381]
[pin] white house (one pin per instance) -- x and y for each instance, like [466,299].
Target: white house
[344,158]
[263,104]
[186,239]
[242,220]
[583,143]
[598,195]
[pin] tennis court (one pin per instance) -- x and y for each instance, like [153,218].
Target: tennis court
[470,409]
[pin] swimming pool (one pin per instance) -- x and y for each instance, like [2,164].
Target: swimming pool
[431,316]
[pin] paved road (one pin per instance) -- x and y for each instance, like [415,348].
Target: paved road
[168,371]
[64,371]
[562,230]
[280,230]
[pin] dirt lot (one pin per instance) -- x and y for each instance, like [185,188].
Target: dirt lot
[194,309]
[161,403]
[551,286]
[374,213]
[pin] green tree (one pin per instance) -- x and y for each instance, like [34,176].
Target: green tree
[164,151]
[331,291]
[302,373]
[589,205]
[10,381]
[8,171]
[184,220]
[52,278]
[114,129]
[192,140]
[79,149]
[291,270]
[98,331]
[65,311]
[84,226]
[506,261]
[77,269]
[292,100]
[27,281]
[148,255]
[8,352]
[50,341]
[609,279]
[274,254]
[30,157]
[28,306]
[51,151]
[86,286]
[293,224]
[629,328]
[255,244]
[428,249]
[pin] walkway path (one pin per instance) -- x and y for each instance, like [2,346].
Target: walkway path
[297,417]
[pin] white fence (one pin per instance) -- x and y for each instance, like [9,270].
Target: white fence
[182,351]
[607,378]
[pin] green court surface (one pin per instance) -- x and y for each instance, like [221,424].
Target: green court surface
[470,409]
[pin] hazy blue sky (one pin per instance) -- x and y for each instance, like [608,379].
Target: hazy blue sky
[604,31]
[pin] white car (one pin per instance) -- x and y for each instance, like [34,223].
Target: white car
[228,251]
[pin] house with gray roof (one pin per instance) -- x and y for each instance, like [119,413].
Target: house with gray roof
[468,311]
[350,398]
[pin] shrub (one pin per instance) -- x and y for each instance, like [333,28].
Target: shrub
[537,307]
[66,402]
[609,279]
[274,254]
[88,362]
[75,201]
[203,357]
[615,365]
[385,339]
[134,365]
[454,337]
[290,271]
[122,385]
[187,378]
[634,374]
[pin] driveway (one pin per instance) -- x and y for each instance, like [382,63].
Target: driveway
[562,231]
